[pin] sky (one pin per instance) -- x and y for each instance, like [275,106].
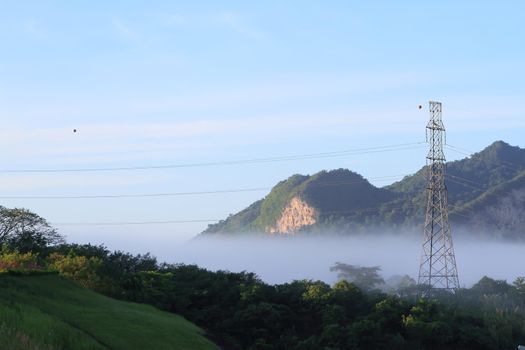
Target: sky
[189,83]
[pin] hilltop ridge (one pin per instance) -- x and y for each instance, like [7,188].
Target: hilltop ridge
[345,202]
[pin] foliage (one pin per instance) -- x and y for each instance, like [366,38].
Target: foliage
[342,191]
[237,309]
[25,231]
[240,311]
[240,222]
[366,278]
[80,269]
[10,261]
[114,270]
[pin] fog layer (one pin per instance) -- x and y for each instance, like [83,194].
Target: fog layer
[280,260]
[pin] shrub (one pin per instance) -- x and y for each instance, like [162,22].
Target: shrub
[18,261]
[80,269]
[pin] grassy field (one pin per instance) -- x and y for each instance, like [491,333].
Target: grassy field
[49,312]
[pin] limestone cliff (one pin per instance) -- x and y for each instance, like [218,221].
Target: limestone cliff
[295,215]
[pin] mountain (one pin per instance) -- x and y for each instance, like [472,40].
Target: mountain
[486,193]
[50,312]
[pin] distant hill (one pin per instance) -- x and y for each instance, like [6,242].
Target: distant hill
[486,196]
[50,312]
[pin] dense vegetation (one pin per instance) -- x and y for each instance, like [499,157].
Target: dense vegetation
[237,310]
[41,310]
[242,312]
[482,189]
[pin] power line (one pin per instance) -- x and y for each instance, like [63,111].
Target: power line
[354,211]
[139,195]
[188,221]
[173,194]
[462,183]
[133,222]
[259,160]
[460,149]
[378,149]
[458,214]
[465,179]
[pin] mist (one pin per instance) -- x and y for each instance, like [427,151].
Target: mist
[281,260]
[286,258]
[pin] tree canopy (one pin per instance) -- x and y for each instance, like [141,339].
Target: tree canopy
[26,231]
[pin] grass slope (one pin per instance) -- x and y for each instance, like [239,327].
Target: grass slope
[50,312]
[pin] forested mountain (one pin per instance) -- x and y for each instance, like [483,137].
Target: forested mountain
[486,195]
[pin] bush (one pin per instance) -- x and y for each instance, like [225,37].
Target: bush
[80,269]
[10,261]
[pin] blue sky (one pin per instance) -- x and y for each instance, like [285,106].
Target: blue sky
[171,82]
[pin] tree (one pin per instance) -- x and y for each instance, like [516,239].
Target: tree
[403,286]
[489,286]
[26,231]
[366,278]
[519,284]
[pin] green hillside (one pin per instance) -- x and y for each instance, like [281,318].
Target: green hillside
[330,192]
[346,202]
[50,312]
[470,177]
[499,210]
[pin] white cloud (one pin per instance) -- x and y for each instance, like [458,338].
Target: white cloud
[143,142]
[229,20]
[238,24]
[142,137]
[169,139]
[124,30]
[103,137]
[142,102]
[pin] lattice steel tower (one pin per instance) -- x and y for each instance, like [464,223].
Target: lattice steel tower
[437,270]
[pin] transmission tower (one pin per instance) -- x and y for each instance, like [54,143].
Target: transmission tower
[437,270]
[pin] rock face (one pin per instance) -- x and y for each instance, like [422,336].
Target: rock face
[295,215]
